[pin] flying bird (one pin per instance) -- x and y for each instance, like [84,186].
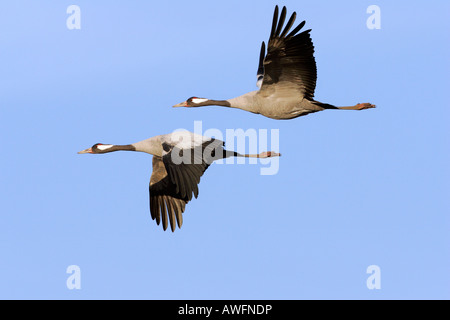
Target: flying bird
[286,77]
[179,160]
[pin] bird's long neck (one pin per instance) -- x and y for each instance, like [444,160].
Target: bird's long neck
[222,103]
[151,146]
[127,147]
[244,102]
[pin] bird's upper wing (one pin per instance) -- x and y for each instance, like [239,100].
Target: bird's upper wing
[175,178]
[260,72]
[289,60]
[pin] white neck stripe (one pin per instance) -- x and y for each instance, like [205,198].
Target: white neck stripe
[104,146]
[198,100]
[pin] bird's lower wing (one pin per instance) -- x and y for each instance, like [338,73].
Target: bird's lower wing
[166,204]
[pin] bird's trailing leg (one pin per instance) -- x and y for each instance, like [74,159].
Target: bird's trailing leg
[265,154]
[359,106]
[269,154]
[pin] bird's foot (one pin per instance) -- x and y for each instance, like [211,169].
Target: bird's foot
[269,154]
[362,106]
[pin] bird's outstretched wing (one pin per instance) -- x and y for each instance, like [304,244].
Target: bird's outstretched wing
[175,179]
[290,57]
[165,203]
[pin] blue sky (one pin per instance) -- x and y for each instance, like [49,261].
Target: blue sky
[354,189]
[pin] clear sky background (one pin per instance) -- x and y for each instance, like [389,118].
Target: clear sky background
[354,189]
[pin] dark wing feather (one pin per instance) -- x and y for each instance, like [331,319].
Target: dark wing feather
[186,166]
[274,22]
[289,25]
[260,72]
[281,21]
[166,204]
[172,184]
[290,58]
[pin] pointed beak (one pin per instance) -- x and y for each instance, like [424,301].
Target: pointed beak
[182,104]
[85,151]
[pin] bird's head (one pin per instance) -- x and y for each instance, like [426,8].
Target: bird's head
[193,102]
[97,148]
